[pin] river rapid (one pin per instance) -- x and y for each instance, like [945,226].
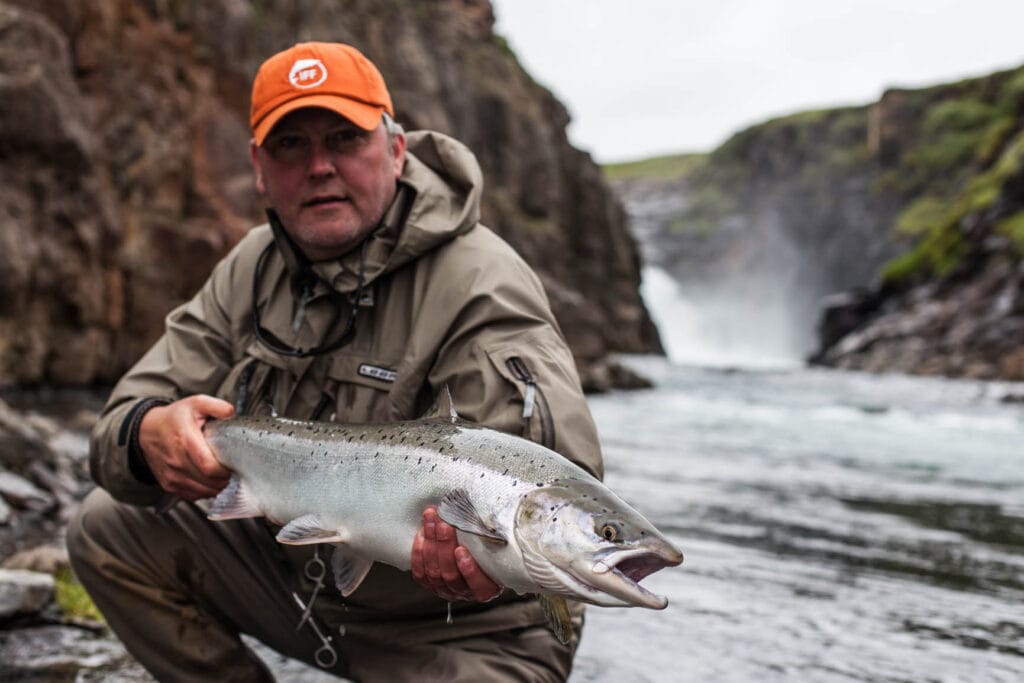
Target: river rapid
[836,526]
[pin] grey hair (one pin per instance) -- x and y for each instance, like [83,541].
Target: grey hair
[393,128]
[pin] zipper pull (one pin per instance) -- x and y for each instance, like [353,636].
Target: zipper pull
[300,310]
[528,399]
[522,373]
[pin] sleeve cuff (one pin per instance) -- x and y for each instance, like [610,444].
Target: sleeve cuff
[129,435]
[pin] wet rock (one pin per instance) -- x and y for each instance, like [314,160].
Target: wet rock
[24,592]
[60,653]
[48,559]
[21,493]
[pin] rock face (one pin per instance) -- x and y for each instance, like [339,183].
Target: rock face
[123,141]
[903,219]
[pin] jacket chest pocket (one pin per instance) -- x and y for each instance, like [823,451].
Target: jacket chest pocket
[360,389]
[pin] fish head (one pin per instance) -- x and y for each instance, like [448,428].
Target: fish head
[580,540]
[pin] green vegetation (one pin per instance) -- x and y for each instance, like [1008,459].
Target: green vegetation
[72,598]
[963,144]
[1013,227]
[667,167]
[942,243]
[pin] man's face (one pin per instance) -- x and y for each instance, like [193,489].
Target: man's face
[329,180]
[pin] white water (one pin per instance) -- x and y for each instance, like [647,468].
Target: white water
[837,527]
[727,324]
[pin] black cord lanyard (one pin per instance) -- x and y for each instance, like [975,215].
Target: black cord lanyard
[272,342]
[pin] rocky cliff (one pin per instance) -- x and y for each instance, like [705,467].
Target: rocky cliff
[125,176]
[901,219]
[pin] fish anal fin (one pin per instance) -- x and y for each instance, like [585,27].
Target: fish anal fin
[457,509]
[556,610]
[309,529]
[349,570]
[235,501]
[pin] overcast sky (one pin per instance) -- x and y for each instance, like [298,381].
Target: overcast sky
[653,77]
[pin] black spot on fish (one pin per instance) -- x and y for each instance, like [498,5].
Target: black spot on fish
[419,460]
[433,466]
[540,483]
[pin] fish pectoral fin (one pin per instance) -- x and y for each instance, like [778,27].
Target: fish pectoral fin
[556,610]
[235,501]
[349,570]
[458,510]
[309,529]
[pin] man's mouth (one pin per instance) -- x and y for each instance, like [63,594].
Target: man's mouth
[323,200]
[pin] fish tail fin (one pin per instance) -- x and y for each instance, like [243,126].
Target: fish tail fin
[234,502]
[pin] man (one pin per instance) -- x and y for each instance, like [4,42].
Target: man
[373,286]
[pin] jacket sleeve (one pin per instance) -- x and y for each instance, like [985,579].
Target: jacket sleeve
[192,357]
[508,366]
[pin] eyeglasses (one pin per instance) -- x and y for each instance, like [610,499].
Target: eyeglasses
[294,147]
[272,342]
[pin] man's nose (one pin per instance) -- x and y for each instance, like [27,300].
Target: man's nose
[321,161]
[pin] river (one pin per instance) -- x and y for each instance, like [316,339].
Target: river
[837,526]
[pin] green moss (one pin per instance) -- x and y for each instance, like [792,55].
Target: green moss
[73,599]
[942,246]
[958,115]
[921,216]
[666,167]
[1013,228]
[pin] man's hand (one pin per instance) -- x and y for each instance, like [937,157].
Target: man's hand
[446,568]
[172,442]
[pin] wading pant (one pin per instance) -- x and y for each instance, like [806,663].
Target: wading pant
[178,589]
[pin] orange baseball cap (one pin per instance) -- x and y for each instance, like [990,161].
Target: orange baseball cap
[329,75]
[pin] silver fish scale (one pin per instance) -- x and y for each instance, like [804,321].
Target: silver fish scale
[375,480]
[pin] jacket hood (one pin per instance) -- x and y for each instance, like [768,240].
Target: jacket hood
[438,199]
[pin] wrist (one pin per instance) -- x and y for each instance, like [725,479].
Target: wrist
[137,464]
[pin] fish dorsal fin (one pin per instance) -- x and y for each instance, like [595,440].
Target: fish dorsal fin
[458,510]
[235,501]
[556,610]
[444,407]
[349,570]
[309,529]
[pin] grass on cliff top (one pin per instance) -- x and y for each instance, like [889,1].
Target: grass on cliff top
[668,167]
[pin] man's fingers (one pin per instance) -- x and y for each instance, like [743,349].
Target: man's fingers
[479,584]
[418,573]
[210,406]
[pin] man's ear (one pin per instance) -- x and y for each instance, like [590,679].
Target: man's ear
[398,153]
[253,147]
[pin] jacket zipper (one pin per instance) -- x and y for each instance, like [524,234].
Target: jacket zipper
[533,400]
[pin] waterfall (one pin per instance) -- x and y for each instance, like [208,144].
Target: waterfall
[725,324]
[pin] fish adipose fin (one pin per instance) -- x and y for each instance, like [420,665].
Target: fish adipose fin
[458,510]
[556,609]
[444,407]
[309,529]
[349,570]
[234,502]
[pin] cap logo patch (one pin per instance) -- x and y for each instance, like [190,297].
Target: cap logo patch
[307,73]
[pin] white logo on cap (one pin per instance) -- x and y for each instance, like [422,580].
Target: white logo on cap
[307,73]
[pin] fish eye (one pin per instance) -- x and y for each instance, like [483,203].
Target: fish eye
[609,532]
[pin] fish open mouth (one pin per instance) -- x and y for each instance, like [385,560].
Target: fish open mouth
[619,573]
